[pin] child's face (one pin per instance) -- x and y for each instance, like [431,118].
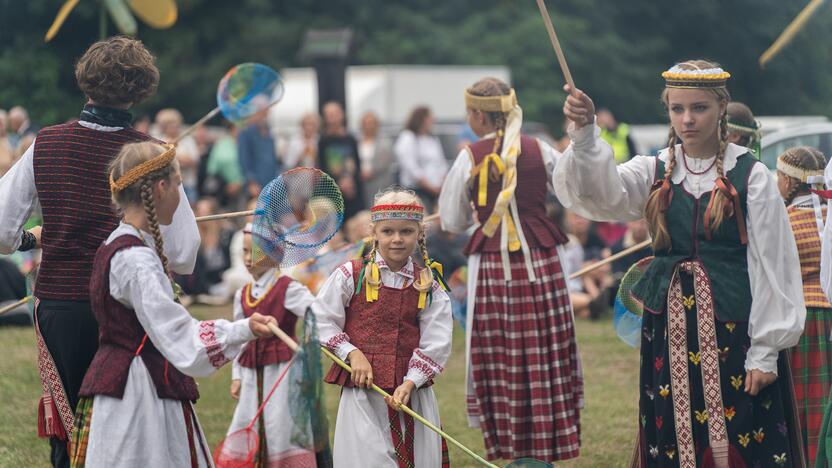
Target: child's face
[255,269]
[694,114]
[166,197]
[397,239]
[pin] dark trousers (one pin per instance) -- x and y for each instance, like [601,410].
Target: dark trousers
[70,332]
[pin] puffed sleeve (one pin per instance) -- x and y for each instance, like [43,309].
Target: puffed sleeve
[197,348]
[588,181]
[19,195]
[181,237]
[330,311]
[436,331]
[454,202]
[777,308]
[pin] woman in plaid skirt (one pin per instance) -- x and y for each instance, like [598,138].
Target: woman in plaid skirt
[798,171]
[525,388]
[723,295]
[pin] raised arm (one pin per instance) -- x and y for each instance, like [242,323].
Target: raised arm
[182,237]
[586,178]
[454,201]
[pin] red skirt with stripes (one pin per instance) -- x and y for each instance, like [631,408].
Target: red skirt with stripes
[524,360]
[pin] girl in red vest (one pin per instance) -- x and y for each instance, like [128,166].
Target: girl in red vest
[525,387]
[136,398]
[263,360]
[392,322]
[799,170]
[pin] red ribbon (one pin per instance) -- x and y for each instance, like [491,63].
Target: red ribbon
[731,206]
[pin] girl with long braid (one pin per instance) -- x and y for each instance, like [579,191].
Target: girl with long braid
[799,171]
[525,387]
[723,296]
[391,320]
[136,398]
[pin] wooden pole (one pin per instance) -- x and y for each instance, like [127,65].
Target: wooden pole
[610,259]
[553,37]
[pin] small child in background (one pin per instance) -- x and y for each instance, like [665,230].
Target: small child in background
[261,362]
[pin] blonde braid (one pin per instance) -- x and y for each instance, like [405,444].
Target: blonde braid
[499,120]
[146,190]
[652,211]
[719,201]
[423,248]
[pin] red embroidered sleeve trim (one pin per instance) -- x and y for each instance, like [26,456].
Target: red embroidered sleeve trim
[424,365]
[430,361]
[208,337]
[336,341]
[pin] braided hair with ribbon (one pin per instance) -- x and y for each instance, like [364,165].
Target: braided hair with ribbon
[724,202]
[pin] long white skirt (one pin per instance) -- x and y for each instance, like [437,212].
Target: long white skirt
[141,429]
[276,415]
[362,431]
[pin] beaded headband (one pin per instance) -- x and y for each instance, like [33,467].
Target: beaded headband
[677,77]
[803,175]
[502,103]
[135,174]
[385,212]
[744,129]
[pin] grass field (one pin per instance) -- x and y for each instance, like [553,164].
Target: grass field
[608,420]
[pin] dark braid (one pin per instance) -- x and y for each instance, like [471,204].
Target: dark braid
[146,189]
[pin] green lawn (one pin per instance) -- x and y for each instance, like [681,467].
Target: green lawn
[608,420]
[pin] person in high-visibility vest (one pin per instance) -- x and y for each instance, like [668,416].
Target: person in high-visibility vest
[617,135]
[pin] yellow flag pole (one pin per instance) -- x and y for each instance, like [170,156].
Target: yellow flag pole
[791,30]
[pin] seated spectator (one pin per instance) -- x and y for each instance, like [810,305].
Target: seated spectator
[637,232]
[13,288]
[591,294]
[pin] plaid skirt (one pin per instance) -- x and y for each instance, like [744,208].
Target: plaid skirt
[524,360]
[811,360]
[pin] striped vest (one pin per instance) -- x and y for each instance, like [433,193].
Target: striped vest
[806,234]
[70,166]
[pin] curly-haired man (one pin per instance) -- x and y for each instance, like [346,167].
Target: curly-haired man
[65,169]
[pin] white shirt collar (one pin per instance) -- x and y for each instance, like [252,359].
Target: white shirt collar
[124,228]
[406,271]
[732,152]
[269,276]
[802,200]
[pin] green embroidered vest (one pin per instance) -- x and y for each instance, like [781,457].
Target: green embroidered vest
[724,256]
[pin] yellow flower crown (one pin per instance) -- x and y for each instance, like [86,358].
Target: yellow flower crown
[135,174]
[677,77]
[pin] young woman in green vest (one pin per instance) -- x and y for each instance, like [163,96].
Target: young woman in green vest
[723,295]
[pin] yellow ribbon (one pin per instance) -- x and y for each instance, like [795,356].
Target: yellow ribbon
[492,158]
[371,278]
[423,285]
[437,266]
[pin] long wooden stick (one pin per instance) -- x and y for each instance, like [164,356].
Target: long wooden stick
[235,214]
[610,259]
[198,124]
[294,346]
[14,305]
[556,44]
[791,30]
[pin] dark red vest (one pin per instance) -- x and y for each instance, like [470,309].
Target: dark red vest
[386,331]
[264,351]
[120,335]
[70,166]
[530,194]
